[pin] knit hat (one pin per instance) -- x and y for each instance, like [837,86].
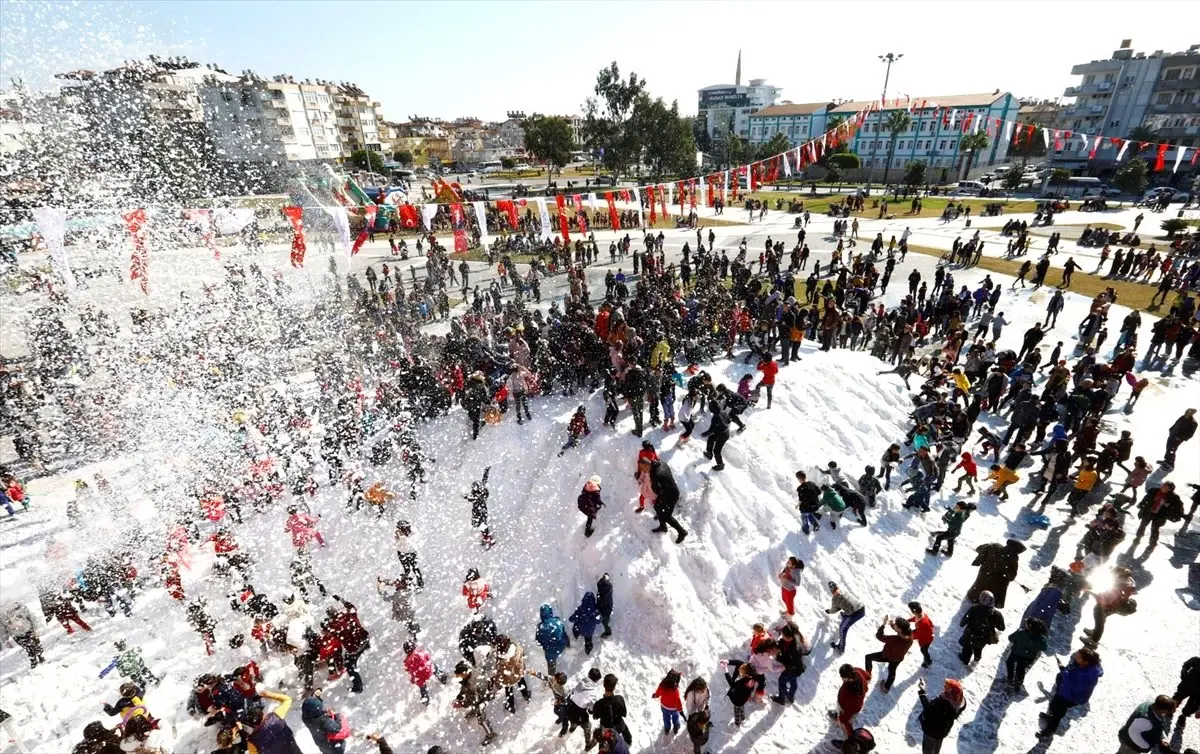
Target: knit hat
[594,479]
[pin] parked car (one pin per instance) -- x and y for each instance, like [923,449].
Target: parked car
[1156,193]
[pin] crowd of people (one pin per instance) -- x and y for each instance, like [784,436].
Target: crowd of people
[640,351]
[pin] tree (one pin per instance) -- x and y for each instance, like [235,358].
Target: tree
[914,174]
[843,160]
[1143,133]
[508,163]
[1059,177]
[736,150]
[778,144]
[364,159]
[897,122]
[549,139]
[1013,178]
[1174,225]
[972,145]
[1132,177]
[667,141]
[833,173]
[403,156]
[606,116]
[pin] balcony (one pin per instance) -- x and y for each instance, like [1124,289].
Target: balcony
[1175,108]
[1163,85]
[1177,132]
[1096,66]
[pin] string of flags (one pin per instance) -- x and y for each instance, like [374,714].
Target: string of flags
[710,189]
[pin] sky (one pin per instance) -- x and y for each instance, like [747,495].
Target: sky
[482,59]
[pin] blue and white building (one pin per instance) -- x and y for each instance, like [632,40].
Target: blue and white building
[799,122]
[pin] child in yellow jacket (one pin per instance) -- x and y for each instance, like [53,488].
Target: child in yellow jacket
[1002,477]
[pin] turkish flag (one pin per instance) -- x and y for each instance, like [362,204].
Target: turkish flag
[1160,157]
[408,216]
[460,241]
[563,225]
[614,219]
[509,210]
[580,215]
[135,221]
[653,210]
[296,216]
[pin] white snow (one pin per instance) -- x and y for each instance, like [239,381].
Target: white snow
[686,607]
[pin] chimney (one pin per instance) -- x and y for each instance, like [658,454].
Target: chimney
[737,77]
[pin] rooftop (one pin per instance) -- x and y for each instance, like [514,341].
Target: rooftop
[942,100]
[805,108]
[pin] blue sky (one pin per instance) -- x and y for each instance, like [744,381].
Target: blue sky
[483,58]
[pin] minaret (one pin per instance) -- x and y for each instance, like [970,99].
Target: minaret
[737,78]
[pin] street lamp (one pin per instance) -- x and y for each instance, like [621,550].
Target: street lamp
[889,58]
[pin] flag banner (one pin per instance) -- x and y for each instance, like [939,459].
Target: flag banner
[341,223]
[693,185]
[580,215]
[664,199]
[614,219]
[460,241]
[202,219]
[139,267]
[509,210]
[1121,151]
[295,215]
[1181,151]
[359,240]
[653,207]
[481,219]
[637,199]
[592,204]
[52,225]
[1095,146]
[544,218]
[458,218]
[1160,157]
[428,212]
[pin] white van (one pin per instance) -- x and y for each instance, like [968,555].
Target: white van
[969,188]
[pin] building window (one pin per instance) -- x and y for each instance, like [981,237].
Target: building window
[1089,79]
[942,144]
[310,97]
[1164,98]
[226,96]
[247,98]
[1171,74]
[1114,123]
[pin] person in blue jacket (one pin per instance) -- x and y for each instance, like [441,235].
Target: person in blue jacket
[1076,682]
[604,601]
[551,636]
[584,621]
[326,727]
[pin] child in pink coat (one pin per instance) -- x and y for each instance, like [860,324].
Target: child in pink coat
[303,528]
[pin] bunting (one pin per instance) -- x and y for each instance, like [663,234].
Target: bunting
[614,219]
[295,215]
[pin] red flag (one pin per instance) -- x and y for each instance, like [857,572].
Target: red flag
[692,186]
[457,219]
[563,225]
[135,221]
[368,223]
[653,210]
[1142,145]
[614,219]
[460,241]
[361,239]
[754,176]
[296,216]
[408,216]
[1161,157]
[1016,139]
[681,194]
[509,210]
[662,198]
[580,215]
[945,117]
[625,195]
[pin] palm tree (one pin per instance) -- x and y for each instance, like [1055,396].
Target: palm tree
[897,122]
[972,144]
[1143,133]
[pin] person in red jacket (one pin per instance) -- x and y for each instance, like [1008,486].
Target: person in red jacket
[922,631]
[345,625]
[769,369]
[246,680]
[475,589]
[851,695]
[641,474]
[969,475]
[420,668]
[671,703]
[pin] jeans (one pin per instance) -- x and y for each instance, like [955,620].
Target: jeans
[787,685]
[845,624]
[809,519]
[670,719]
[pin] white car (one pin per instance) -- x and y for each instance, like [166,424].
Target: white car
[1156,193]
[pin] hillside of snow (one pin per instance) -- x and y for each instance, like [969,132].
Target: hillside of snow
[683,606]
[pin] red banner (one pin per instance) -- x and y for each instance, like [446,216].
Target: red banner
[509,210]
[359,240]
[139,262]
[614,219]
[409,218]
[564,226]
[457,219]
[296,216]
[369,212]
[662,198]
[693,185]
[1160,157]
[653,212]
[682,192]
[460,241]
[580,214]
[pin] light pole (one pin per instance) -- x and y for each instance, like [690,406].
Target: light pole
[889,58]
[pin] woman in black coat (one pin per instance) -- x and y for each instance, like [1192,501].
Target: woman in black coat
[998,566]
[981,626]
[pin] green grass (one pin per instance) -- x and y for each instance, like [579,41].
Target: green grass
[931,206]
[1131,294]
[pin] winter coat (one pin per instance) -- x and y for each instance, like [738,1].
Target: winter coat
[586,693]
[589,502]
[938,716]
[273,736]
[326,728]
[792,653]
[669,698]
[1143,730]
[610,711]
[1026,645]
[303,529]
[789,578]
[586,617]
[845,602]
[1168,507]
[662,481]
[478,632]
[809,497]
[895,646]
[551,634]
[476,591]
[981,625]
[1076,682]
[604,596]
[923,631]
[419,666]
[954,521]
[510,666]
[998,566]
[853,692]
[16,620]
[832,500]
[741,688]
[401,602]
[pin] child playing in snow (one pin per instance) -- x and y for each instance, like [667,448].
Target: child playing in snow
[669,701]
[475,589]
[576,428]
[1001,477]
[478,497]
[988,441]
[745,391]
[1085,480]
[970,473]
[869,485]
[303,528]
[642,474]
[741,687]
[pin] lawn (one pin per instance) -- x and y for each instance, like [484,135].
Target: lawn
[931,206]
[1133,295]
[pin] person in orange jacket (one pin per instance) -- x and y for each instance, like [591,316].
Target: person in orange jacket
[1001,477]
[769,369]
